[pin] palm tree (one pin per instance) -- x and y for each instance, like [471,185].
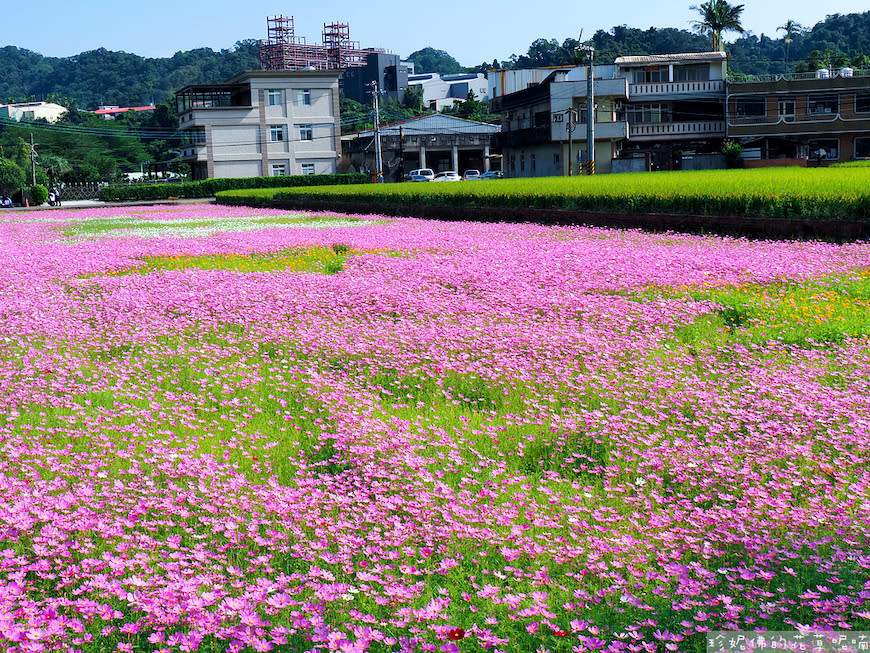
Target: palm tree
[718,16]
[791,29]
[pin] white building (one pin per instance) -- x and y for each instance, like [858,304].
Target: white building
[442,91]
[262,123]
[32,111]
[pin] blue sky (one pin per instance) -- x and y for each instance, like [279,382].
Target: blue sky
[472,32]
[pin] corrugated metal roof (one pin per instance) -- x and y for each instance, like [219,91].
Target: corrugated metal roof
[435,123]
[671,58]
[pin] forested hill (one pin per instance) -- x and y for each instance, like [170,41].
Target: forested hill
[104,77]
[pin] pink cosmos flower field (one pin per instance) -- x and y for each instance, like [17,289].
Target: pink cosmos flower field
[231,429]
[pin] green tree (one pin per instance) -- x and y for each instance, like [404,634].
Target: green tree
[413,99]
[718,16]
[11,176]
[430,60]
[791,28]
[55,166]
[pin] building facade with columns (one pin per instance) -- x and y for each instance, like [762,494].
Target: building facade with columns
[262,123]
[437,141]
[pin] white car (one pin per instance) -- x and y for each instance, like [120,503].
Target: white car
[447,175]
[423,172]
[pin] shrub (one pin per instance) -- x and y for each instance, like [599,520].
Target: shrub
[733,152]
[11,176]
[39,194]
[208,187]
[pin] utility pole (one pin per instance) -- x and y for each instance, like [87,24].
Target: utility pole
[401,154]
[570,117]
[590,114]
[379,168]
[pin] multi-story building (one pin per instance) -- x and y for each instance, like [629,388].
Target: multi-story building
[261,123]
[384,68]
[817,118]
[658,112]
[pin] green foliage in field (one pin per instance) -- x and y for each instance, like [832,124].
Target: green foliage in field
[839,194]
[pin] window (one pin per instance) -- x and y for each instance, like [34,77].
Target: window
[862,102]
[823,105]
[279,169]
[306,133]
[749,107]
[513,162]
[307,168]
[648,112]
[274,97]
[650,75]
[824,150]
[522,162]
[277,133]
[786,109]
[303,96]
[692,73]
[197,136]
[862,148]
[556,159]
[532,162]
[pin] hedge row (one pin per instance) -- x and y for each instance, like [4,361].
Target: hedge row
[209,187]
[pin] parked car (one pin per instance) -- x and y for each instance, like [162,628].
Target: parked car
[447,175]
[416,178]
[492,174]
[471,174]
[425,172]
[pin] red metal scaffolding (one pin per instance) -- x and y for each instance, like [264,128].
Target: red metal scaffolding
[283,50]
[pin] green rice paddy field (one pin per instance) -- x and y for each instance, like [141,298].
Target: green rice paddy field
[839,193]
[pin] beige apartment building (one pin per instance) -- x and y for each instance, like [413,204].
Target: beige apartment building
[262,123]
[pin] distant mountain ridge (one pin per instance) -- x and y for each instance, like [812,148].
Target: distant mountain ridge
[105,77]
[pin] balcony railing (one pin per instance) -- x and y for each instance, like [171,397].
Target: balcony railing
[665,129]
[677,88]
[791,77]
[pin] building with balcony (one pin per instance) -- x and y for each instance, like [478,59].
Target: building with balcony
[261,123]
[437,141]
[801,118]
[658,112]
[675,109]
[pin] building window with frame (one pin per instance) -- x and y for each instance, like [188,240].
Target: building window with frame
[750,107]
[532,163]
[273,96]
[823,105]
[303,97]
[197,135]
[306,132]
[862,147]
[523,162]
[653,74]
[307,168]
[279,169]
[556,159]
[277,133]
[862,102]
[648,112]
[824,150]
[692,73]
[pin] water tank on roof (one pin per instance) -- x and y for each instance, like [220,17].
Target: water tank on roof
[847,72]
[823,73]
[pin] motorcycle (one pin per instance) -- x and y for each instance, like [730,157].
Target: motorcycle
[53,198]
